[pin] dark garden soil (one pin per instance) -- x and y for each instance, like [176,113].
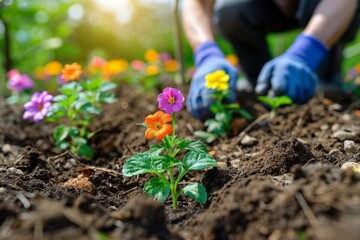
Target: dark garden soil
[287,183]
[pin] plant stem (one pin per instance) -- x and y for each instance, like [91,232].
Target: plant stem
[173,124]
[173,189]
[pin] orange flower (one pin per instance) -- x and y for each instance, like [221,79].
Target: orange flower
[158,125]
[171,65]
[71,72]
[151,55]
[233,60]
[53,68]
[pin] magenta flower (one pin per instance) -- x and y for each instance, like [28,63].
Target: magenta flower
[170,100]
[38,106]
[18,82]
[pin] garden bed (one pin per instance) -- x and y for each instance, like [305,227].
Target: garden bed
[286,184]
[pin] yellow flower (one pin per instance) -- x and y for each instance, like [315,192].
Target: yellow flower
[218,80]
[232,59]
[41,74]
[152,70]
[53,68]
[114,67]
[151,55]
[171,65]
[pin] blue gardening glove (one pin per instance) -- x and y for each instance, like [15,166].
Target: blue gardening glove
[208,59]
[293,73]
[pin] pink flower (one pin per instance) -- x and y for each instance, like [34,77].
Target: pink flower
[164,57]
[18,82]
[38,106]
[138,65]
[97,62]
[12,73]
[171,100]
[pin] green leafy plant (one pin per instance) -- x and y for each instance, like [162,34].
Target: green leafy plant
[162,159]
[275,102]
[75,108]
[224,113]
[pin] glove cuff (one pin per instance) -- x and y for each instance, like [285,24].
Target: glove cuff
[207,50]
[309,49]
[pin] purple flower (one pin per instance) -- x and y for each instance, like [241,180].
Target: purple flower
[18,82]
[38,106]
[60,79]
[164,57]
[170,100]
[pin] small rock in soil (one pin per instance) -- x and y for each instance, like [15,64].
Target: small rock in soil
[346,117]
[350,165]
[343,135]
[13,170]
[81,184]
[335,127]
[324,127]
[235,163]
[335,107]
[222,165]
[335,152]
[350,146]
[6,148]
[248,141]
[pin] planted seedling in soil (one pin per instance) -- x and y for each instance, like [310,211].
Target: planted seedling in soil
[72,110]
[275,102]
[162,159]
[223,109]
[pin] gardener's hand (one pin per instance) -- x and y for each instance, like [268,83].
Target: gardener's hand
[293,73]
[289,76]
[208,59]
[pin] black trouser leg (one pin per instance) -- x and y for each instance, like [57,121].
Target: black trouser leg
[245,23]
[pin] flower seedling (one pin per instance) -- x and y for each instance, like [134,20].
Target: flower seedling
[275,102]
[73,110]
[224,113]
[163,160]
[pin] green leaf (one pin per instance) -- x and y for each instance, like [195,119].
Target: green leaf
[196,191]
[80,140]
[86,151]
[207,136]
[155,150]
[158,188]
[70,88]
[232,106]
[62,145]
[168,141]
[283,100]
[143,124]
[107,86]
[138,164]
[215,127]
[196,146]
[162,163]
[61,132]
[198,161]
[245,114]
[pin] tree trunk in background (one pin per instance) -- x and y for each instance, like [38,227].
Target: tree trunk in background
[7,55]
[179,45]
